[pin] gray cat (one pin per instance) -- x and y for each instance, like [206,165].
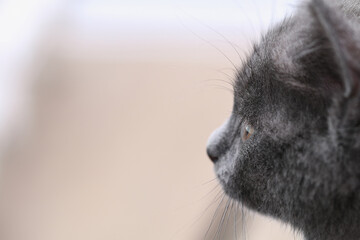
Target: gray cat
[291,147]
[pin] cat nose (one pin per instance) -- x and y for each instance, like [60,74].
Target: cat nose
[216,143]
[212,154]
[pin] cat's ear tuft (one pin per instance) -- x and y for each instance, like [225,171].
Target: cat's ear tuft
[342,39]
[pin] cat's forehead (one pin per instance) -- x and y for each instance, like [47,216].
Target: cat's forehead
[267,79]
[275,59]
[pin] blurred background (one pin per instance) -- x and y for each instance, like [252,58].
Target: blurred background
[105,110]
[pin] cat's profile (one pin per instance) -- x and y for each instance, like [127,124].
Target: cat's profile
[291,147]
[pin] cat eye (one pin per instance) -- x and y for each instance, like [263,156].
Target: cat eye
[247,132]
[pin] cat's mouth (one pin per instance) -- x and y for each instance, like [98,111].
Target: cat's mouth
[224,168]
[222,173]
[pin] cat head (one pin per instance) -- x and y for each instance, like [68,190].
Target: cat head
[291,146]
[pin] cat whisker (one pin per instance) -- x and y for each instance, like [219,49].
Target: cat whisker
[211,191]
[211,44]
[225,38]
[231,78]
[218,194]
[230,210]
[227,68]
[217,197]
[220,225]
[223,88]
[220,86]
[218,33]
[220,80]
[228,215]
[214,216]
[211,180]
[243,223]
[235,220]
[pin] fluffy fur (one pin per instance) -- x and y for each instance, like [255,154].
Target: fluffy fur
[299,90]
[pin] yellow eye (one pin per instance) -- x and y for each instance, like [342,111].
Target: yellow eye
[248,130]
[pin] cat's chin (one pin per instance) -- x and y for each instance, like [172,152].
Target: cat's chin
[240,197]
[231,187]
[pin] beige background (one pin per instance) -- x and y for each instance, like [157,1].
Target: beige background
[112,144]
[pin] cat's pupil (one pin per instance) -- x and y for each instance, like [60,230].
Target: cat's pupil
[249,130]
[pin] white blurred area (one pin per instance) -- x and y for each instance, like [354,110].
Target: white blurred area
[105,108]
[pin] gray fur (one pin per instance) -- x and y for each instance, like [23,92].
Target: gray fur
[299,89]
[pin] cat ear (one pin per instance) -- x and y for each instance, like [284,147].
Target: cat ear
[339,33]
[338,28]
